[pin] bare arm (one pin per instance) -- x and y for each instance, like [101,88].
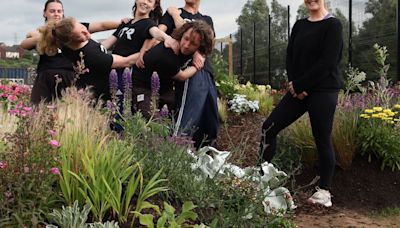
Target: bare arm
[109,42]
[176,16]
[121,62]
[103,26]
[168,40]
[32,38]
[182,75]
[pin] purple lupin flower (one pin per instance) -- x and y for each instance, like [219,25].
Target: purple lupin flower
[113,80]
[127,76]
[164,111]
[155,83]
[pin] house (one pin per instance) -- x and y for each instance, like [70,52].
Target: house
[11,52]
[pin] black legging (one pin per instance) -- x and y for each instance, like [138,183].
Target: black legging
[321,108]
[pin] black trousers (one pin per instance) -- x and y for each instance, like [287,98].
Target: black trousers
[321,108]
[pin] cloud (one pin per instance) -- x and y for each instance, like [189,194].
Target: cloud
[18,17]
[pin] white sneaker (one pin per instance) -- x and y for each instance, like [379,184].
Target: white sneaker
[322,197]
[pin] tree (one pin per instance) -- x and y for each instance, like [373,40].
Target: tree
[254,14]
[380,29]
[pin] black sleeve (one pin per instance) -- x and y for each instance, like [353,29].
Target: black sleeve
[168,21]
[161,60]
[98,58]
[330,56]
[86,24]
[289,53]
[149,25]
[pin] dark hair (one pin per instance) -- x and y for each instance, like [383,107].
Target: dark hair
[203,29]
[155,14]
[50,1]
[56,35]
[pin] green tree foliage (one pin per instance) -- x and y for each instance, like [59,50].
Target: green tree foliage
[254,17]
[254,14]
[381,29]
[29,59]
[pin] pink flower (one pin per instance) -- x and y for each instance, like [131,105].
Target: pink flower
[26,169]
[54,143]
[12,98]
[52,132]
[3,165]
[51,106]
[55,171]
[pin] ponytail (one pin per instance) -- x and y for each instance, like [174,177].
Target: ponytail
[47,43]
[55,35]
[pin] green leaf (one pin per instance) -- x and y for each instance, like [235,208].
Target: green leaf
[146,220]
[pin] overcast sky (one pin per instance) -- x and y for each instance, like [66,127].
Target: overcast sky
[17,17]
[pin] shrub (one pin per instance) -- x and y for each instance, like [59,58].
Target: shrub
[378,135]
[29,171]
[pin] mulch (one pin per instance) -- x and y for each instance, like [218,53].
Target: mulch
[363,188]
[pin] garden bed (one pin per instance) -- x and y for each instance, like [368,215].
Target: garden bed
[357,192]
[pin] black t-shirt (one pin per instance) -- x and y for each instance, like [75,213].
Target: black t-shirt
[131,36]
[97,67]
[313,55]
[165,62]
[57,61]
[168,21]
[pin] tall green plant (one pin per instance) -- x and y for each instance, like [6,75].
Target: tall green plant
[344,136]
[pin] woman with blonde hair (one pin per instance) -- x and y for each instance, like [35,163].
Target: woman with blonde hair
[55,70]
[91,62]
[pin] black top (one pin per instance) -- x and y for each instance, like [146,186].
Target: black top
[131,36]
[313,55]
[97,67]
[57,61]
[165,62]
[168,21]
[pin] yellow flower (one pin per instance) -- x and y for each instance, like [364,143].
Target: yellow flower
[369,111]
[396,120]
[387,110]
[269,87]
[364,116]
[386,118]
[378,109]
[237,87]
[397,106]
[376,116]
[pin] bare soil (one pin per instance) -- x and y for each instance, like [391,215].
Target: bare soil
[358,193]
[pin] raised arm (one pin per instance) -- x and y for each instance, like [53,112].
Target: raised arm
[176,16]
[106,25]
[32,38]
[162,36]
